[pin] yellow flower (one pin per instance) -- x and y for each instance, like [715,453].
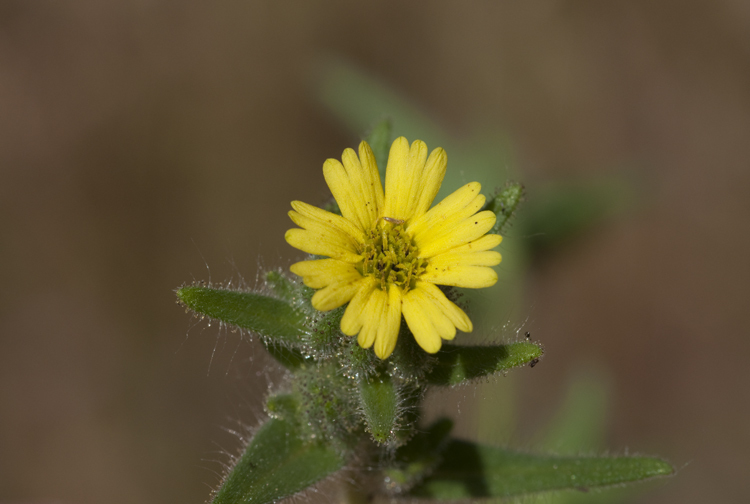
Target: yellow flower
[388,250]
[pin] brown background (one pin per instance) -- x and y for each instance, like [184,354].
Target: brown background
[142,141]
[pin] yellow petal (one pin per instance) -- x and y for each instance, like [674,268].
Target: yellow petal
[331,219]
[335,295]
[419,322]
[325,231]
[462,233]
[346,194]
[403,178]
[314,243]
[351,322]
[363,173]
[432,178]
[440,321]
[452,258]
[372,317]
[367,207]
[323,272]
[472,277]
[397,158]
[455,314]
[448,209]
[390,325]
[486,242]
[372,175]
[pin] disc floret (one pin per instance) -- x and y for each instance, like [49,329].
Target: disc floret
[391,256]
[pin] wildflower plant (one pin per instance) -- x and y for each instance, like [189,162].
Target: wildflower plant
[366,325]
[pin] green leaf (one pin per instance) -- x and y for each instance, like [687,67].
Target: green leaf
[288,357]
[471,470]
[277,463]
[380,138]
[457,364]
[418,457]
[379,399]
[504,204]
[561,211]
[264,315]
[579,424]
[281,285]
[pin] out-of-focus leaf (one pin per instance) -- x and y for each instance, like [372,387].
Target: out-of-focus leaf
[355,97]
[379,138]
[580,422]
[457,364]
[418,457]
[563,210]
[267,316]
[471,470]
[277,463]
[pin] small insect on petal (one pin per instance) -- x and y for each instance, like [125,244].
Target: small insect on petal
[393,220]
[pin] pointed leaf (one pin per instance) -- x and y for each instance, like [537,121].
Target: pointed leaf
[379,139]
[457,364]
[276,464]
[264,315]
[504,205]
[471,470]
[379,399]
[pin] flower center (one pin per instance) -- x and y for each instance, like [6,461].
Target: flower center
[391,255]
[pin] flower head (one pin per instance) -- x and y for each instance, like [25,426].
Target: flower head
[388,250]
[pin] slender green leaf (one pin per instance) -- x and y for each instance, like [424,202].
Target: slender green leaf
[276,464]
[457,364]
[471,470]
[379,138]
[504,205]
[379,399]
[264,315]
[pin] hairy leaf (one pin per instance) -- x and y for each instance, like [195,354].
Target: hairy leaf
[261,314]
[457,364]
[277,463]
[504,205]
[472,470]
[379,399]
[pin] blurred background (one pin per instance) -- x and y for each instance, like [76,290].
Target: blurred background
[151,143]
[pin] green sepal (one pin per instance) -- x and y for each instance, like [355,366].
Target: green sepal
[379,139]
[278,462]
[418,457]
[504,205]
[457,364]
[379,399]
[267,316]
[470,470]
